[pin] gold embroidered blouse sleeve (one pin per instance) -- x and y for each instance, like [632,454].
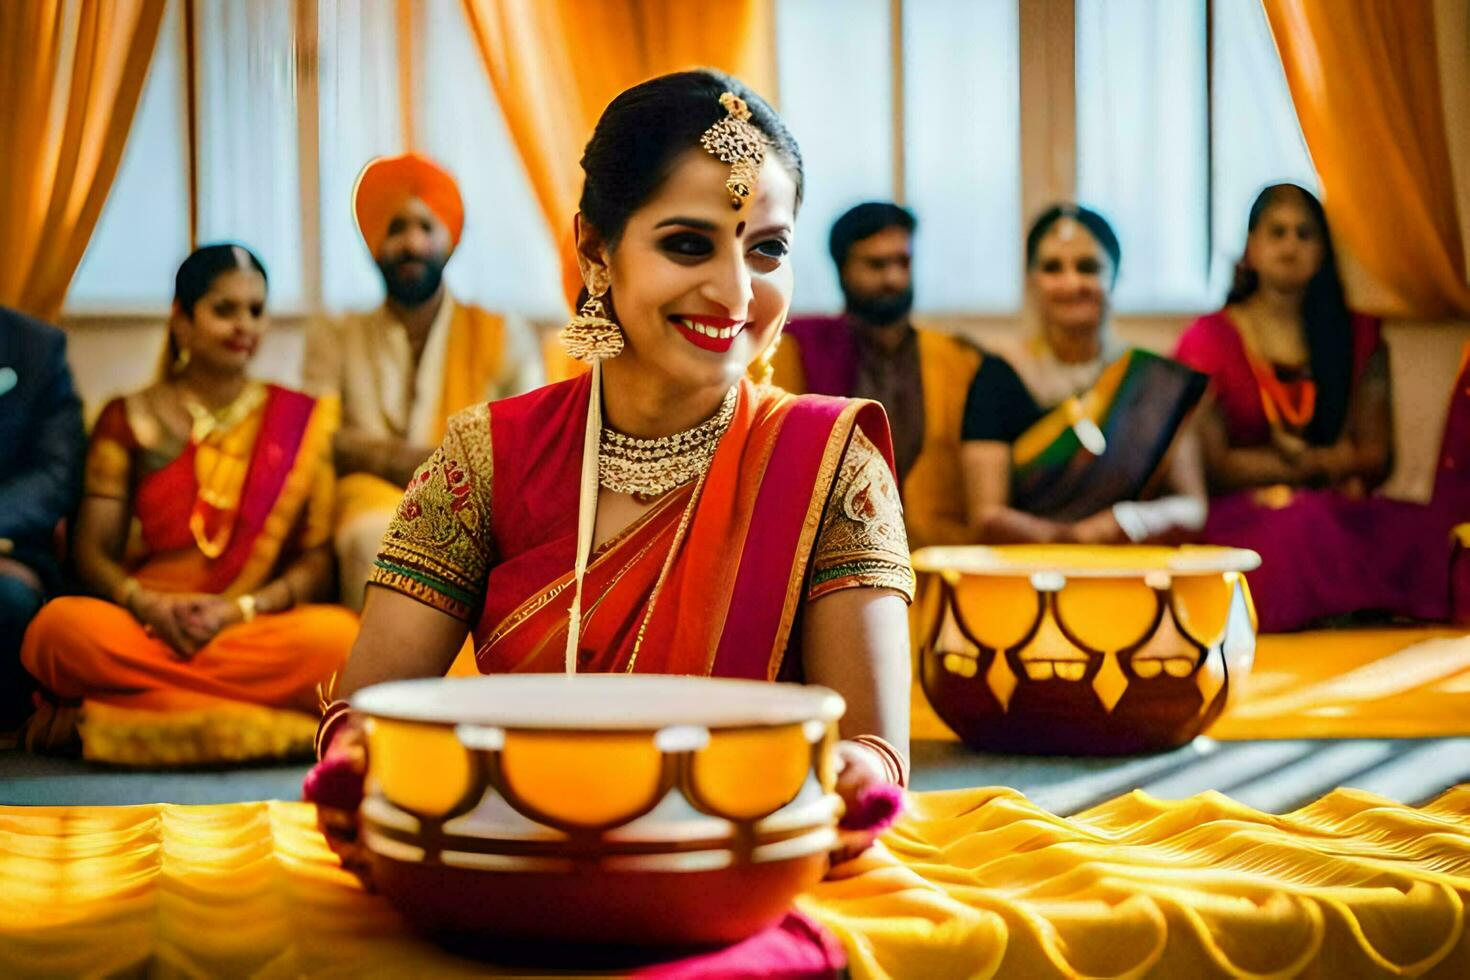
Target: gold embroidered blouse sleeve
[437,549]
[110,454]
[862,542]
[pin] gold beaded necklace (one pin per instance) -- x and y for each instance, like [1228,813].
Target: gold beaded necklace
[647,469]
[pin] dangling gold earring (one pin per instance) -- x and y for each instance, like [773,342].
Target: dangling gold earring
[765,369]
[181,361]
[592,335]
[765,365]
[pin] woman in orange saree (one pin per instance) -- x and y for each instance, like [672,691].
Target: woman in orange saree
[205,525]
[661,514]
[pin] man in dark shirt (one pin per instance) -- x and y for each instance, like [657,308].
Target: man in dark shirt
[41,451]
[873,350]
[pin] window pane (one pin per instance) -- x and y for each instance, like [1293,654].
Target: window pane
[1257,138]
[359,120]
[143,232]
[507,259]
[249,187]
[962,151]
[1142,153]
[836,97]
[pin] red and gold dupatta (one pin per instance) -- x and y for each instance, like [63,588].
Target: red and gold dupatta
[283,472]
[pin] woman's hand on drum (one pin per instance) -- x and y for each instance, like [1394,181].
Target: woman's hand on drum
[869,798]
[335,785]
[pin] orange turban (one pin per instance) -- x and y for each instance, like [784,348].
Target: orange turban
[387,182]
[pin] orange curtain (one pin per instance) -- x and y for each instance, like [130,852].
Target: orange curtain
[555,64]
[1364,75]
[71,73]
[405,22]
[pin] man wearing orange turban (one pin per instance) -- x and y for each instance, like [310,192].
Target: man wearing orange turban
[402,369]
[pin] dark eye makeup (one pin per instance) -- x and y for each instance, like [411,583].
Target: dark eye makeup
[686,244]
[774,248]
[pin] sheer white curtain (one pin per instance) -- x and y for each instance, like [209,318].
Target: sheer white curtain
[1142,114]
[834,67]
[1257,138]
[249,171]
[1141,143]
[357,89]
[961,146]
[143,232]
[961,139]
[962,151]
[507,259]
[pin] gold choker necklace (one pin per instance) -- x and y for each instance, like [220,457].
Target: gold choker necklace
[208,421]
[649,468]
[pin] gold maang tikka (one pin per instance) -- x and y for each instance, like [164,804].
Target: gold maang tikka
[739,142]
[592,335]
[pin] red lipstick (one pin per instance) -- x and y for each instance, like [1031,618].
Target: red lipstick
[711,333]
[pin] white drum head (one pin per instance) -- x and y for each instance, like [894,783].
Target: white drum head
[592,702]
[1086,561]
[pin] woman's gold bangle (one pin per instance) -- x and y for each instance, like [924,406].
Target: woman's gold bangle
[247,607]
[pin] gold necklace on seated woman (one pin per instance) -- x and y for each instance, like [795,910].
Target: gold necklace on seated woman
[207,421]
[646,469]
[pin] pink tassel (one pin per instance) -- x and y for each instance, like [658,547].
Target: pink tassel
[334,782]
[877,808]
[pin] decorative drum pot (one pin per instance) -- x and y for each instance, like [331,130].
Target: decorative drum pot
[1079,650]
[611,809]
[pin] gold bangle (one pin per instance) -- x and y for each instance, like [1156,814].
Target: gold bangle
[334,716]
[247,607]
[895,766]
[126,589]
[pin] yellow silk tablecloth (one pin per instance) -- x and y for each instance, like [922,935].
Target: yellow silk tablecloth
[972,883]
[1370,683]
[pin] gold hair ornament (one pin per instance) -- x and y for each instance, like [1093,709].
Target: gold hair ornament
[739,142]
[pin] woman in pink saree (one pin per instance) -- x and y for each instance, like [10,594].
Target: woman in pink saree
[1298,434]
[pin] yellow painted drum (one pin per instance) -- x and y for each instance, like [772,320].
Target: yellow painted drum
[630,809]
[1077,650]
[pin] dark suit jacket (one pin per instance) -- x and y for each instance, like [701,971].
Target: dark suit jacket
[42,444]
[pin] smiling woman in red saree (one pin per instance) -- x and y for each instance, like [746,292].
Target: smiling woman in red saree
[662,513]
[710,580]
